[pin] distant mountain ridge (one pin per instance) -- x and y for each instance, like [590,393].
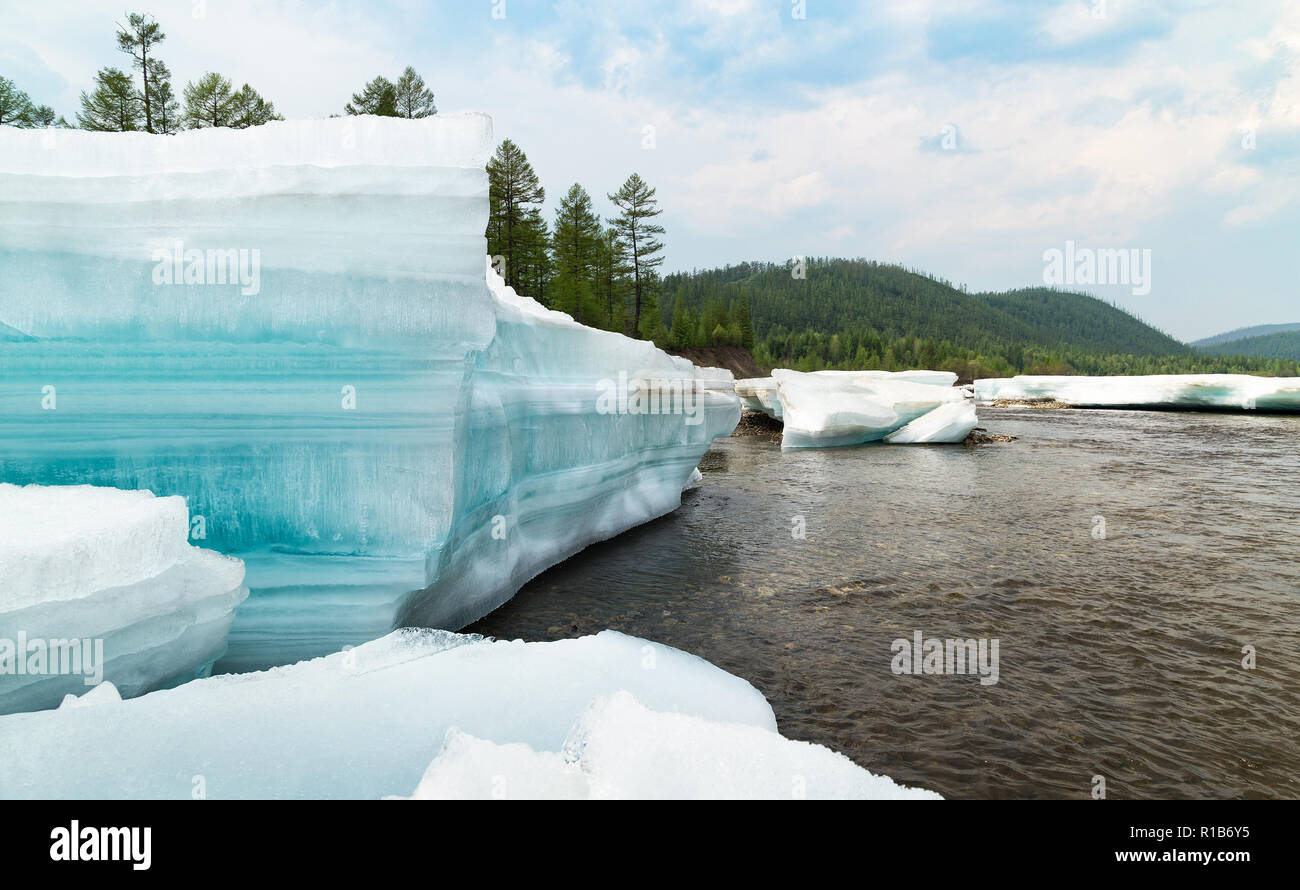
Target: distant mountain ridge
[1258,330]
[1279,344]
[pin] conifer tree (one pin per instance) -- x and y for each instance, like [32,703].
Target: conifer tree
[513,190]
[16,107]
[208,102]
[113,105]
[378,97]
[414,99]
[138,39]
[637,208]
[575,243]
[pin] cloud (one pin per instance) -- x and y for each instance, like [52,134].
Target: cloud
[776,135]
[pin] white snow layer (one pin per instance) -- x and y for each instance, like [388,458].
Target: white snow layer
[291,327]
[832,408]
[1188,391]
[621,750]
[102,584]
[606,714]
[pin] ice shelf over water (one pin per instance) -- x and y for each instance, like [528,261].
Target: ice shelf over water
[833,408]
[606,715]
[102,584]
[382,432]
[1241,392]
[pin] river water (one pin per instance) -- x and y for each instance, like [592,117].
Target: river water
[1121,559]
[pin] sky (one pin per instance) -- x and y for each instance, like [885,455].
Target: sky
[963,139]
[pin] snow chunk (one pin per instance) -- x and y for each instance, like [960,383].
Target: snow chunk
[621,749]
[950,422]
[59,542]
[99,583]
[833,408]
[364,723]
[1243,392]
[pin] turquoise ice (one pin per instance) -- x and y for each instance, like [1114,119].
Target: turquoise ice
[291,327]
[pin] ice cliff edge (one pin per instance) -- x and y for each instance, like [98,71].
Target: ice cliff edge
[291,327]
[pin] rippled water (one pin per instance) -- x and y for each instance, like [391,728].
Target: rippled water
[1119,657]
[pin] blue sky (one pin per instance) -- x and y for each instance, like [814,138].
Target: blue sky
[960,138]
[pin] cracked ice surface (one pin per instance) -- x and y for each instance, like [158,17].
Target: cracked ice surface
[382,432]
[1242,392]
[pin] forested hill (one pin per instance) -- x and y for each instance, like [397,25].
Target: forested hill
[1284,344]
[840,295]
[847,313]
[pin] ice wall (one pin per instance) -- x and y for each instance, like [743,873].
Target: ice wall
[355,412]
[98,584]
[1237,392]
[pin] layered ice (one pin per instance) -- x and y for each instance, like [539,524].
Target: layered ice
[620,749]
[368,723]
[292,328]
[1237,392]
[833,408]
[101,584]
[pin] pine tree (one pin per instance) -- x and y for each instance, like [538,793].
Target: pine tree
[744,320]
[164,110]
[575,242]
[378,97]
[512,186]
[43,116]
[637,205]
[15,106]
[113,106]
[249,109]
[414,99]
[534,257]
[680,335]
[208,102]
[137,39]
[611,280]
[652,326]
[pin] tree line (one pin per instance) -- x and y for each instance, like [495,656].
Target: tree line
[146,101]
[603,272]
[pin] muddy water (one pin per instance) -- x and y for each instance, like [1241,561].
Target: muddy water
[1119,655]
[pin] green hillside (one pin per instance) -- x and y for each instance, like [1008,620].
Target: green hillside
[862,314]
[1281,345]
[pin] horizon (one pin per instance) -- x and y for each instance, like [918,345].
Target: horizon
[995,132]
